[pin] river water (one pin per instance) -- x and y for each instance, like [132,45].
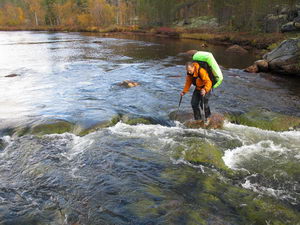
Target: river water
[129,174]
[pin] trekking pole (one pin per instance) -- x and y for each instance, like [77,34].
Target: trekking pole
[203,110]
[180,100]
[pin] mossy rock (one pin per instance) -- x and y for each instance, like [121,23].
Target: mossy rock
[114,120]
[144,208]
[96,127]
[201,152]
[59,127]
[266,120]
[54,127]
[211,193]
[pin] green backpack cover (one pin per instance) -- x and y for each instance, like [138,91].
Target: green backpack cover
[208,58]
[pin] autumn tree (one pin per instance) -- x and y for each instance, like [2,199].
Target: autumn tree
[36,10]
[12,15]
[102,13]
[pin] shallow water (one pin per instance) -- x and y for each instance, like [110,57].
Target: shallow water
[137,174]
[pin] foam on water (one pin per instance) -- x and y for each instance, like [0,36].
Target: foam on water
[257,141]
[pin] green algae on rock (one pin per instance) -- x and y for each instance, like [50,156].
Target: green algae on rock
[266,120]
[200,152]
[211,193]
[52,127]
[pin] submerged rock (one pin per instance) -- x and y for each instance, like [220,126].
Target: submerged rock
[202,152]
[51,127]
[116,119]
[266,120]
[212,194]
[237,49]
[128,84]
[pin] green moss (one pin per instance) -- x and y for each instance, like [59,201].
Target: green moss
[20,131]
[52,128]
[266,120]
[259,211]
[94,128]
[200,152]
[137,121]
[273,46]
[155,191]
[144,208]
[205,153]
[208,193]
[55,127]
[195,217]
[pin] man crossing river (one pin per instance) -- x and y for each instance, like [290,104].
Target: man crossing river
[199,77]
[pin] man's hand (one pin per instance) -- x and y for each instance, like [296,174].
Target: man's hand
[182,93]
[203,92]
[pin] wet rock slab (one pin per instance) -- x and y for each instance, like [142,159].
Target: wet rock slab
[266,120]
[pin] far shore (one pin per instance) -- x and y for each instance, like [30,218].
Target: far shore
[260,41]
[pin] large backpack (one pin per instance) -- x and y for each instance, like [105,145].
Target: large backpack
[207,61]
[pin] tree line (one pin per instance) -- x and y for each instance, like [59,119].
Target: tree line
[234,14]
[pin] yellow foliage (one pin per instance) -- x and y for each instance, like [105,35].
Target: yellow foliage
[101,12]
[84,20]
[12,15]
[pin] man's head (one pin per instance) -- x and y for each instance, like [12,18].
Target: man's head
[190,68]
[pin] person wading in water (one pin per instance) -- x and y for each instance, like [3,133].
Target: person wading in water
[199,77]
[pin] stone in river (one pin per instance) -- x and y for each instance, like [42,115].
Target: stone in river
[128,84]
[12,75]
[237,49]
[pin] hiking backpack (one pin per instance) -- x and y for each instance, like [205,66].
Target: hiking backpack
[207,61]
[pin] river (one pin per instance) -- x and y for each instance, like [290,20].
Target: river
[138,174]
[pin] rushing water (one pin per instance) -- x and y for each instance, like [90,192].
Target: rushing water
[137,174]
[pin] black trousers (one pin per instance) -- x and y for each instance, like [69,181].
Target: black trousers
[197,101]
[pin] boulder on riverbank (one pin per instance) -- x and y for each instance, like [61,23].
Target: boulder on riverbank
[285,59]
[236,49]
[258,66]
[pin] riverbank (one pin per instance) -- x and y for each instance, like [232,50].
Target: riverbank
[261,41]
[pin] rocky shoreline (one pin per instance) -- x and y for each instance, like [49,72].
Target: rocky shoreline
[285,59]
